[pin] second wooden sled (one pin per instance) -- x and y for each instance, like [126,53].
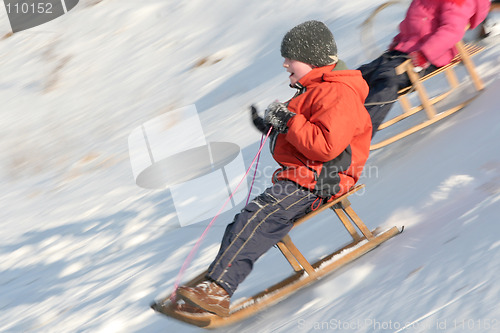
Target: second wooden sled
[305,273]
[465,52]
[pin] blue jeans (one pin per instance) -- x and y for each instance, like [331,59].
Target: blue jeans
[259,226]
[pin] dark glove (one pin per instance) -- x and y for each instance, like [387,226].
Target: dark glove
[419,61]
[277,115]
[258,121]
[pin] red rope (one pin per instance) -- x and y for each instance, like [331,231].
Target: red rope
[198,243]
[255,170]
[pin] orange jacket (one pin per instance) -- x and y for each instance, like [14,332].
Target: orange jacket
[328,141]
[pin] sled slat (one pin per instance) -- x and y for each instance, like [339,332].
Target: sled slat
[420,89]
[405,103]
[347,224]
[355,218]
[451,77]
[469,65]
[289,256]
[298,256]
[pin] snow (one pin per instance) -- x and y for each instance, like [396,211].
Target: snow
[84,249]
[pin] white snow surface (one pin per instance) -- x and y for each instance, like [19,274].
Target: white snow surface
[84,249]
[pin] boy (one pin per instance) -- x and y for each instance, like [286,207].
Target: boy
[320,138]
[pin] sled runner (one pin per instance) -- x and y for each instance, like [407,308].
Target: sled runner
[433,114]
[305,273]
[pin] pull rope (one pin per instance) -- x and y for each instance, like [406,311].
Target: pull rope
[256,166]
[198,243]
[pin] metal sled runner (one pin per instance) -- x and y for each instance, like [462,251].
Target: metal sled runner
[305,273]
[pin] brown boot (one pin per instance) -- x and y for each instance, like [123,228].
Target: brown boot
[208,296]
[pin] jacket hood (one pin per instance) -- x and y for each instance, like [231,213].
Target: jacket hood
[352,78]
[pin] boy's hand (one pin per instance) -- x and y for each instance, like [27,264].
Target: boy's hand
[419,61]
[277,115]
[258,121]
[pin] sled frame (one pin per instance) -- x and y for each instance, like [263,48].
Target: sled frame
[464,56]
[305,273]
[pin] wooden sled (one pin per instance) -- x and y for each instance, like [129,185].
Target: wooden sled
[465,52]
[304,274]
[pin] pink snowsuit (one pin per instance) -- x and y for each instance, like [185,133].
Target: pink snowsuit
[435,26]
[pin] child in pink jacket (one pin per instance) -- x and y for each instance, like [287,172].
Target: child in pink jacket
[427,36]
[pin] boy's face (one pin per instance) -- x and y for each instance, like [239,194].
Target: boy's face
[297,69]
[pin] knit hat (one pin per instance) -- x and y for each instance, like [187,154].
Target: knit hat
[310,42]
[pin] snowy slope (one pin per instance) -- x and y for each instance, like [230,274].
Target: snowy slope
[84,249]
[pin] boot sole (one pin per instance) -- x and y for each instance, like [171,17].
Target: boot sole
[195,301]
